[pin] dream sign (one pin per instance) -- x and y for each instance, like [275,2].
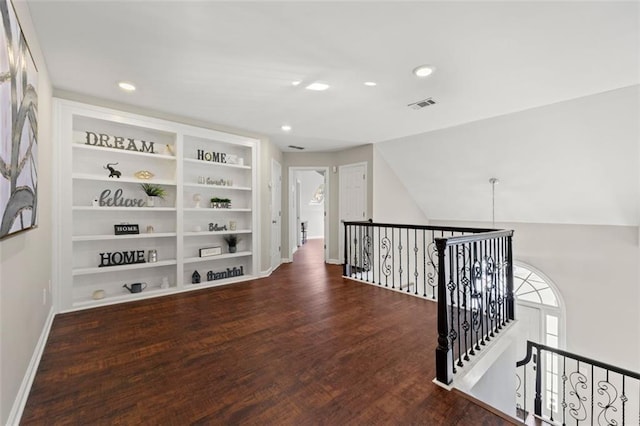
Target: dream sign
[118,142]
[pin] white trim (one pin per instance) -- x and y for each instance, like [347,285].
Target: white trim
[275,164]
[27,381]
[334,262]
[265,274]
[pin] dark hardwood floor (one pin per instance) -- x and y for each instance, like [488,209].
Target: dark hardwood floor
[302,347]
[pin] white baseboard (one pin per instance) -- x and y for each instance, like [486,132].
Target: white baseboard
[265,274]
[25,387]
[334,262]
[285,260]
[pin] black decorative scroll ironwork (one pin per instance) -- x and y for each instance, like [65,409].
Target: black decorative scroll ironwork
[467,270]
[590,392]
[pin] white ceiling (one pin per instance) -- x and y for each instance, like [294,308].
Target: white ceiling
[232,63]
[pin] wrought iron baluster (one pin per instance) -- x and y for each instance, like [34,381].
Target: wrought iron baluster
[466,325]
[415,261]
[460,307]
[400,257]
[451,286]
[424,265]
[386,269]
[408,262]
[380,254]
[393,261]
[360,252]
[564,390]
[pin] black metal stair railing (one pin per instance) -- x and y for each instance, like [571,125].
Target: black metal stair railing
[467,270]
[569,389]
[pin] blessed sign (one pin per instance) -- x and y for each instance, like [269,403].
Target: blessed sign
[118,142]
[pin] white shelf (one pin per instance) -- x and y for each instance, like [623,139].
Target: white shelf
[205,233]
[82,146]
[213,163]
[106,269]
[123,179]
[209,210]
[122,297]
[202,185]
[141,209]
[220,256]
[88,230]
[123,237]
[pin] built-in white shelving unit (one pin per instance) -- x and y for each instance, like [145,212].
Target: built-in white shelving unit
[192,165]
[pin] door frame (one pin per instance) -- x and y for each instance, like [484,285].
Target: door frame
[341,204]
[292,213]
[275,260]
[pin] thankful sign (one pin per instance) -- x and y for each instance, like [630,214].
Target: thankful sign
[118,142]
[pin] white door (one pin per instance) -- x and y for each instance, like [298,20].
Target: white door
[276,213]
[353,198]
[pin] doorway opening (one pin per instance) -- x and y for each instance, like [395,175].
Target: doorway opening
[540,310]
[308,206]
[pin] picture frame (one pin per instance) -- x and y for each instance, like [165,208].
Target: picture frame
[19,141]
[210,251]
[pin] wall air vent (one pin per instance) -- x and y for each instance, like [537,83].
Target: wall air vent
[421,104]
[296,147]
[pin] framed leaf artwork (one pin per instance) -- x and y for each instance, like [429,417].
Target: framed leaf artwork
[18,127]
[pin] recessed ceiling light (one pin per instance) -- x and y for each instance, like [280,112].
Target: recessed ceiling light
[296,83]
[317,86]
[370,83]
[423,70]
[126,86]
[286,128]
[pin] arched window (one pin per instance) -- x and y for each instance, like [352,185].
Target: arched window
[535,291]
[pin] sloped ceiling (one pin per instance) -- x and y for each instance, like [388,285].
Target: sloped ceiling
[572,162]
[232,63]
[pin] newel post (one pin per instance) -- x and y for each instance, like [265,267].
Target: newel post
[345,266]
[444,359]
[510,299]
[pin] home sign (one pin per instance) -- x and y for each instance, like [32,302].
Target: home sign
[118,142]
[216,157]
[121,258]
[126,229]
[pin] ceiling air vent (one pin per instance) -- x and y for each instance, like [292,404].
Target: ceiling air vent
[296,147]
[421,104]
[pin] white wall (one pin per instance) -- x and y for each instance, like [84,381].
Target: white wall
[570,162]
[25,258]
[313,214]
[392,203]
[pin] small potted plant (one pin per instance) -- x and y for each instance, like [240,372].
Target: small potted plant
[232,241]
[220,203]
[152,192]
